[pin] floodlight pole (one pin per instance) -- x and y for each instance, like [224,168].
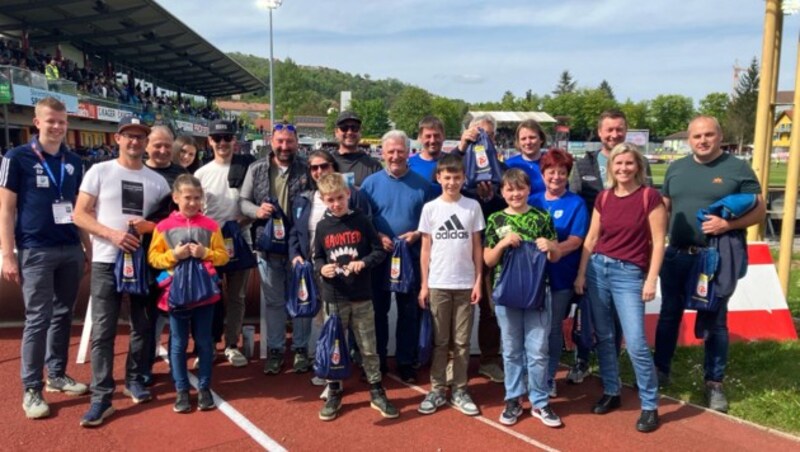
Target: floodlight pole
[271,4]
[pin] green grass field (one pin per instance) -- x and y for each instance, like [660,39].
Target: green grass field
[777,173]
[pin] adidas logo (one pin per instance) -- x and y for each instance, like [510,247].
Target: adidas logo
[451,229]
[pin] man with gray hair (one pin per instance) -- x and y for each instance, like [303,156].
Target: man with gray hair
[397,195]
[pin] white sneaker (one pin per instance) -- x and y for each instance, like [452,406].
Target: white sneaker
[235,357]
[34,405]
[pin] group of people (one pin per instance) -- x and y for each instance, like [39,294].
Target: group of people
[597,221]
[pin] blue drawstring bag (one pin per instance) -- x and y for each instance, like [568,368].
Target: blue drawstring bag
[302,298]
[700,287]
[130,272]
[401,269]
[582,326]
[332,359]
[273,237]
[239,252]
[425,343]
[191,284]
[521,283]
[480,161]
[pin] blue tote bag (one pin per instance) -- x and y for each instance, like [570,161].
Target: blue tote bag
[273,237]
[521,283]
[700,287]
[332,359]
[425,344]
[480,161]
[239,252]
[582,327]
[401,269]
[302,299]
[191,284]
[130,272]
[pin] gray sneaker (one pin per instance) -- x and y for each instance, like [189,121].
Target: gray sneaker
[332,405]
[432,401]
[301,362]
[493,372]
[235,357]
[578,372]
[274,362]
[66,385]
[547,416]
[34,405]
[715,397]
[463,402]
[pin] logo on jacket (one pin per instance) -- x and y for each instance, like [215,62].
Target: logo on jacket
[451,229]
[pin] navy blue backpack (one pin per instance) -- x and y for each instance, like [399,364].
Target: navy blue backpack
[425,344]
[273,237]
[401,269]
[480,161]
[332,359]
[191,284]
[130,272]
[239,252]
[521,283]
[582,326]
[302,300]
[700,286]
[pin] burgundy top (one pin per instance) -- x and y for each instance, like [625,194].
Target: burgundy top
[624,225]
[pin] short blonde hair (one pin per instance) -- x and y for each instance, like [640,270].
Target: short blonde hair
[626,148]
[331,183]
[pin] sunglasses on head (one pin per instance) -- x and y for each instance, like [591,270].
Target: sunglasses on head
[218,138]
[321,166]
[350,128]
[288,127]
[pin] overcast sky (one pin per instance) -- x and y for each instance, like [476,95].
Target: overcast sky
[477,50]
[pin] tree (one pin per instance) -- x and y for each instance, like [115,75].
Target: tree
[637,113]
[740,118]
[508,102]
[411,105]
[605,86]
[565,84]
[451,112]
[670,113]
[716,105]
[582,108]
[374,118]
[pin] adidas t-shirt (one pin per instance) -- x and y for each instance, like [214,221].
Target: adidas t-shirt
[451,226]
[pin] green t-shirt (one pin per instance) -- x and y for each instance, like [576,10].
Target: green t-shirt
[529,226]
[691,186]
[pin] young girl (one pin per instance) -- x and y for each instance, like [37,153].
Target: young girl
[524,332]
[188,233]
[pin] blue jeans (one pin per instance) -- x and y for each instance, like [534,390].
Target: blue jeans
[524,335]
[606,276]
[407,331]
[559,309]
[274,272]
[199,320]
[674,273]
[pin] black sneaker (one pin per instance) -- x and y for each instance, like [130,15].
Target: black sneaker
[407,374]
[511,413]
[381,403]
[578,372]
[332,405]
[606,404]
[182,404]
[205,401]
[663,379]
[648,421]
[715,397]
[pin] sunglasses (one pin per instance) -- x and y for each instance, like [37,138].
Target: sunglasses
[321,166]
[350,128]
[218,138]
[288,127]
[134,137]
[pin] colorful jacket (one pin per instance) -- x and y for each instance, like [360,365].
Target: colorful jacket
[176,229]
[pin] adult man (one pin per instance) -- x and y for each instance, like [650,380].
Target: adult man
[692,183]
[38,185]
[221,186]
[431,135]
[281,176]
[588,179]
[353,164]
[396,196]
[113,195]
[491,202]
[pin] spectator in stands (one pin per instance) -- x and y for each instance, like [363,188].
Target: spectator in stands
[35,217]
[115,194]
[530,138]
[51,70]
[354,164]
[184,153]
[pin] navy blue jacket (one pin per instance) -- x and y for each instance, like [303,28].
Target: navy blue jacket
[299,238]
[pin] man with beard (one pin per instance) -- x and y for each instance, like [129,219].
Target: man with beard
[353,164]
[431,136]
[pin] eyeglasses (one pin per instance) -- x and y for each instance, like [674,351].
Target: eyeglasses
[133,137]
[321,166]
[350,128]
[217,138]
[288,127]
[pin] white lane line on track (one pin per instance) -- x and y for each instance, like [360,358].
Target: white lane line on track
[234,415]
[485,420]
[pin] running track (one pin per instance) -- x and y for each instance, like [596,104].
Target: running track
[282,413]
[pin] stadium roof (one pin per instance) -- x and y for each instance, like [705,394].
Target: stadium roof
[514,116]
[139,34]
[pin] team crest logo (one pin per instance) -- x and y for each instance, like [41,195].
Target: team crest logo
[336,355]
[70,169]
[302,292]
[558,214]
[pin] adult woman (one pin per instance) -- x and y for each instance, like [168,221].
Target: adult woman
[529,140]
[184,153]
[622,255]
[571,221]
[308,211]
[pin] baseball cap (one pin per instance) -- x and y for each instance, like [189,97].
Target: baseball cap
[347,116]
[132,122]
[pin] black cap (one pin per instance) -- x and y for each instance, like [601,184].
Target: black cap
[347,116]
[132,122]
[222,128]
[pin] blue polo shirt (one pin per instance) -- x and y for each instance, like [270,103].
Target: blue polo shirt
[426,169]
[531,169]
[22,173]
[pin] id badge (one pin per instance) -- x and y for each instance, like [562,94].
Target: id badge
[62,212]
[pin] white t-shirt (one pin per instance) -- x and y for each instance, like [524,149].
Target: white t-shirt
[318,209]
[221,201]
[451,226]
[122,195]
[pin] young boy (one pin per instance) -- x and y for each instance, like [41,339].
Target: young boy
[346,248]
[188,233]
[451,264]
